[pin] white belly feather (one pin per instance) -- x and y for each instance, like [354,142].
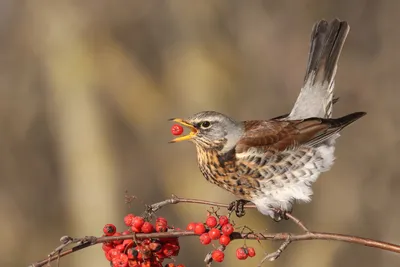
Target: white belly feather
[281,189]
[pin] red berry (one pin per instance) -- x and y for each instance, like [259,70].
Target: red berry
[138,222]
[128,243]
[170,265]
[108,257]
[146,264]
[161,227]
[217,255]
[251,251]
[227,229]
[205,239]
[191,226]
[214,234]
[109,229]
[107,247]
[120,248]
[155,246]
[176,249]
[128,219]
[147,227]
[180,265]
[110,243]
[134,263]
[211,221]
[224,240]
[170,240]
[176,129]
[113,253]
[144,253]
[120,261]
[135,229]
[159,255]
[162,219]
[199,229]
[145,241]
[117,242]
[241,253]
[126,232]
[132,253]
[168,250]
[223,220]
[139,253]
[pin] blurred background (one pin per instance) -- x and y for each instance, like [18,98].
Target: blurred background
[87,88]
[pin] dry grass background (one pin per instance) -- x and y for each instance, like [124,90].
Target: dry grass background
[87,88]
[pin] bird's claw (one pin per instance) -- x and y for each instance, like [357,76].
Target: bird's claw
[238,207]
[280,214]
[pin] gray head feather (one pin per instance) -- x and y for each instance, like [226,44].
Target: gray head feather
[216,130]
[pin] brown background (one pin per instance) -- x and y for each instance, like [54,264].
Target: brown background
[87,88]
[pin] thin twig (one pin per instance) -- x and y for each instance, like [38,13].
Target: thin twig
[276,254]
[298,222]
[65,241]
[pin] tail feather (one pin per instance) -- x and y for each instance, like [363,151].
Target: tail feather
[285,116]
[316,96]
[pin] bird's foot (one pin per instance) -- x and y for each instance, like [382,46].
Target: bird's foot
[238,207]
[280,214]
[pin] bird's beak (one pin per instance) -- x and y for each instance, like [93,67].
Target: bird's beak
[193,131]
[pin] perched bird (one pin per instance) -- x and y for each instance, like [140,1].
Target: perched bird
[273,163]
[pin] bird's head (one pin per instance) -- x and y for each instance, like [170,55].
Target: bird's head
[211,130]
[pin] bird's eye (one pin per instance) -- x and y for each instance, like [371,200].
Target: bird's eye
[205,124]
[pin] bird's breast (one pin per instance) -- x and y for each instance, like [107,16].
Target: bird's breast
[223,171]
[214,168]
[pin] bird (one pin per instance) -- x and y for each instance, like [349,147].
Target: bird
[273,163]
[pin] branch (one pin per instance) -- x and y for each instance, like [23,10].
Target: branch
[90,241]
[287,238]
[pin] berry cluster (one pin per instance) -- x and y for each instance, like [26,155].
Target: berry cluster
[219,229]
[244,252]
[140,252]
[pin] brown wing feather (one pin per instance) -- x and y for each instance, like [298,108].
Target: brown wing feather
[277,135]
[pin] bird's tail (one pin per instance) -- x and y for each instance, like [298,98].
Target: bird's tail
[315,98]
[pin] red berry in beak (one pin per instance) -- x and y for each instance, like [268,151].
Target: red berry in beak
[176,129]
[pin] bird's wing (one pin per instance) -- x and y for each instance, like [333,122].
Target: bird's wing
[276,135]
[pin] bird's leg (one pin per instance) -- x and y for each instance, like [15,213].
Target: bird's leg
[238,207]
